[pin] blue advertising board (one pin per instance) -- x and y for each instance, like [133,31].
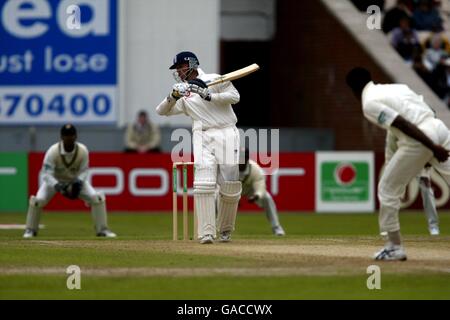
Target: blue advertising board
[58,61]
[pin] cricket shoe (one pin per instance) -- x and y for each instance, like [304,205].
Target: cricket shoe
[392,253]
[278,231]
[225,236]
[207,239]
[107,234]
[434,231]
[29,233]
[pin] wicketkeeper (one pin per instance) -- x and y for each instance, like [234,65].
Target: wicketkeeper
[65,170]
[216,143]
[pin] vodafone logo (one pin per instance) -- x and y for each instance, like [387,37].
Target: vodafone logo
[345,174]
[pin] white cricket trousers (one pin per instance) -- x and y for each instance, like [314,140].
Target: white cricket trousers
[218,150]
[216,158]
[46,192]
[406,163]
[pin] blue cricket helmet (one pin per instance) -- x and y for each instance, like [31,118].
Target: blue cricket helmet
[185,57]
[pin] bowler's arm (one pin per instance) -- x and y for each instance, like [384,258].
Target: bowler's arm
[414,132]
[384,116]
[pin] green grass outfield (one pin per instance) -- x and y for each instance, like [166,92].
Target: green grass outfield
[322,257]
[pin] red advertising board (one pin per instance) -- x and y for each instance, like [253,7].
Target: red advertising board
[135,182]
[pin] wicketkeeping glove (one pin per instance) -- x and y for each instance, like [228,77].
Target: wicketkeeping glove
[199,87]
[73,190]
[60,187]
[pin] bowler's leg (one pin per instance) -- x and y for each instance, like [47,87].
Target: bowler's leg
[406,163]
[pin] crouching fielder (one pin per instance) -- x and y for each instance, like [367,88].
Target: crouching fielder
[65,170]
[215,140]
[254,188]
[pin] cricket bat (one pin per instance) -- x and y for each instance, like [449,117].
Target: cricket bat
[234,75]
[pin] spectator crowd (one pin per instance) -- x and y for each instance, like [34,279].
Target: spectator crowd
[416,29]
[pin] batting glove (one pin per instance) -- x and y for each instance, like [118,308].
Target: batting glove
[180,90]
[199,87]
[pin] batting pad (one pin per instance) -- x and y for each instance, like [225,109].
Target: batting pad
[33,214]
[204,176]
[204,200]
[230,194]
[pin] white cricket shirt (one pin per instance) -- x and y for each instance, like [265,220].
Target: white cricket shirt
[62,166]
[205,115]
[382,103]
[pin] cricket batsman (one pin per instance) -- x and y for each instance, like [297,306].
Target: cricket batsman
[215,140]
[254,188]
[65,170]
